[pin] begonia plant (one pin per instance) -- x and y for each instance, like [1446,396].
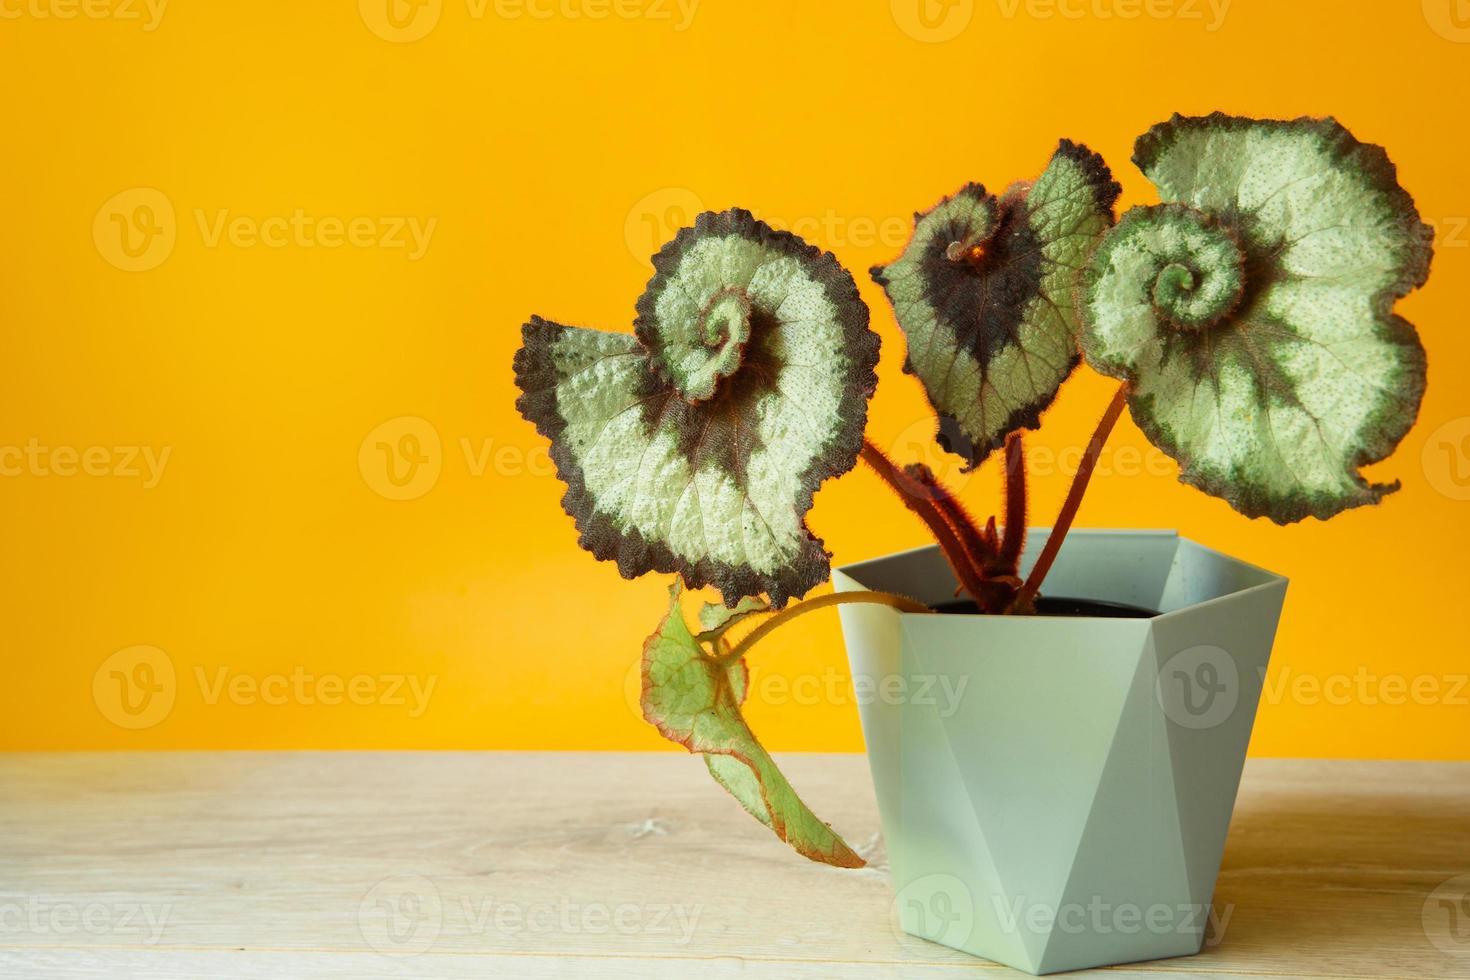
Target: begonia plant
[1249,316]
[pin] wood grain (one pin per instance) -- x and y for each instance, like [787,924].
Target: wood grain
[532,865]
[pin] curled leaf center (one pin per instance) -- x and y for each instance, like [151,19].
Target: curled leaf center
[972,252]
[725,319]
[1276,368]
[1203,270]
[707,346]
[1173,291]
[1184,267]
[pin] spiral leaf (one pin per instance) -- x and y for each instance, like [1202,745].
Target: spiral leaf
[695,445]
[1183,267]
[985,291]
[1253,311]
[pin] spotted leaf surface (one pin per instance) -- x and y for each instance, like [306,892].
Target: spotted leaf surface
[1253,310]
[695,445]
[985,292]
[694,699]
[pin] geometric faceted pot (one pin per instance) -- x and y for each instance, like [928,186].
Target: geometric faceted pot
[1055,791]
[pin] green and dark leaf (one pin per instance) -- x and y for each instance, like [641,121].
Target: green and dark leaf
[695,445]
[1252,312]
[693,698]
[985,291]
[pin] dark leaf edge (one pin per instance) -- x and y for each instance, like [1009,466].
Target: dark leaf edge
[1384,436]
[633,553]
[948,433]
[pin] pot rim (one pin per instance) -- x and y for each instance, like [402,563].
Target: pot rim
[1266,579]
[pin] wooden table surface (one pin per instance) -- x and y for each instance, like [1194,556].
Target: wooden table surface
[530,865]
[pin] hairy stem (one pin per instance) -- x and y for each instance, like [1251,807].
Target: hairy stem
[1013,538]
[917,500]
[1074,499]
[901,603]
[982,550]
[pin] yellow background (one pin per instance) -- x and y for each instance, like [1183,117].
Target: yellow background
[554,149]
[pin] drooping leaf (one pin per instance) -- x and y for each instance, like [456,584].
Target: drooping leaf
[695,445]
[985,292]
[694,698]
[716,617]
[1253,310]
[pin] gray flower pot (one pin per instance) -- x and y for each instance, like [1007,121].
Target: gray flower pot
[1055,792]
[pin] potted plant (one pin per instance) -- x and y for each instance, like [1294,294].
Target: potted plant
[1072,809]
